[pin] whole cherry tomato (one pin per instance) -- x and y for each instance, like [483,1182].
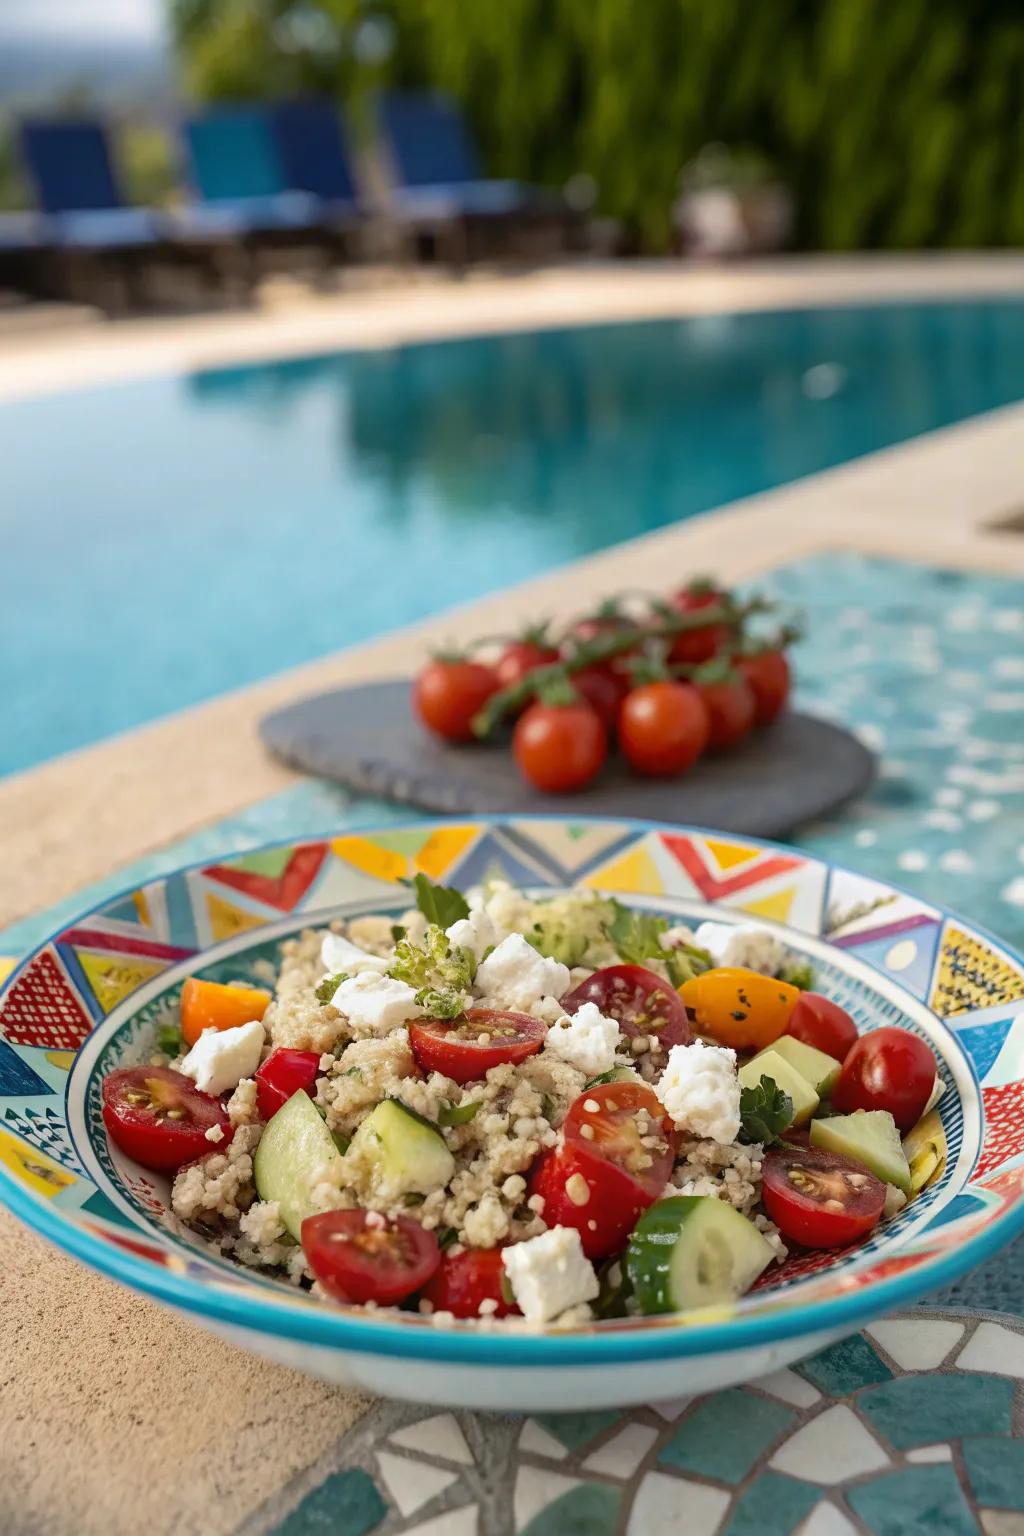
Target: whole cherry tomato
[447,695]
[559,747]
[820,1199]
[160,1118]
[466,1279]
[519,659]
[731,711]
[603,689]
[767,674]
[887,1069]
[695,646]
[359,1256]
[466,1049]
[663,727]
[820,1022]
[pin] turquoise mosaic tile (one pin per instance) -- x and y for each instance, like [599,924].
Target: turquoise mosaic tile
[347,1502]
[587,1511]
[922,1501]
[773,1505]
[919,1410]
[726,1435]
[845,1367]
[575,1429]
[995,1470]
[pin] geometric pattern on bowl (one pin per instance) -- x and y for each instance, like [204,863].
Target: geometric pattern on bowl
[90,998]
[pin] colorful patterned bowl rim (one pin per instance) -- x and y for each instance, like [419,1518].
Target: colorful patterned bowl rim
[640,859]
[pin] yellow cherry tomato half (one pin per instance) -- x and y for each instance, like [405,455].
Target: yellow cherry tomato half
[739,1008]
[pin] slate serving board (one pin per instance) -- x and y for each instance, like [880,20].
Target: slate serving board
[367,739]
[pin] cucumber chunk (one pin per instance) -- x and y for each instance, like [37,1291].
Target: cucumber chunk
[770,1064]
[693,1251]
[294,1145]
[870,1137]
[406,1153]
[814,1066]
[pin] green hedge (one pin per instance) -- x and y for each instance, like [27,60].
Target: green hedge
[898,123]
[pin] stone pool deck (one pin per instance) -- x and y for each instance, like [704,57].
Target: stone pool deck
[81,1358]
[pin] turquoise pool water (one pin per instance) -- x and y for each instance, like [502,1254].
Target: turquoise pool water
[163,541]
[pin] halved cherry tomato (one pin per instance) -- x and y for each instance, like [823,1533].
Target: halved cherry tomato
[663,727]
[738,1007]
[360,1256]
[820,1022]
[559,747]
[160,1118]
[283,1074]
[695,646]
[583,1190]
[465,1049]
[820,1199]
[731,711]
[447,694]
[767,674]
[887,1069]
[466,1279]
[211,1005]
[640,1001]
[604,690]
[624,1124]
[518,660]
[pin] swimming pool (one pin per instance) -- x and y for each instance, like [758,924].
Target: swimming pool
[166,540]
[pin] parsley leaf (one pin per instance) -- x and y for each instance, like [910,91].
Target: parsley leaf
[799,973]
[765,1112]
[636,935]
[169,1040]
[327,988]
[457,1114]
[440,904]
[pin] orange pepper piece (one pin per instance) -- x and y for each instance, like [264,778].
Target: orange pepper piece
[739,1008]
[210,1005]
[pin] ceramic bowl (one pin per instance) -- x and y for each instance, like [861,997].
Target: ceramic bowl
[86,1002]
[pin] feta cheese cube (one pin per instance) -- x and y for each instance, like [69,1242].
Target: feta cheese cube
[548,1274]
[338,954]
[375,1002]
[519,975]
[586,1039]
[701,1092]
[220,1058]
[475,932]
[742,944]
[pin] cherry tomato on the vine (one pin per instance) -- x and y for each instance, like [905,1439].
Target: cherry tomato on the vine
[699,645]
[767,674]
[731,711]
[603,689]
[887,1069]
[519,659]
[448,694]
[559,747]
[663,727]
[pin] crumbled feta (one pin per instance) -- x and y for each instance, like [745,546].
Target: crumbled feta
[338,954]
[586,1039]
[508,909]
[519,975]
[475,932]
[701,1092]
[742,944]
[375,1002]
[220,1058]
[673,937]
[548,1274]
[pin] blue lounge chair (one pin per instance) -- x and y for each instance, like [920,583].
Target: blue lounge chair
[239,175]
[314,154]
[73,177]
[438,191]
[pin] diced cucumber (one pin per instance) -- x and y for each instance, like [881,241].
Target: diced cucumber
[770,1064]
[925,1150]
[693,1251]
[870,1137]
[814,1066]
[407,1153]
[294,1145]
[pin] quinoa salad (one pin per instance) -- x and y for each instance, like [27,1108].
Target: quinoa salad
[528,1111]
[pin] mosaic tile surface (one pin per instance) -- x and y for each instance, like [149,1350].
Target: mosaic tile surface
[908,1428]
